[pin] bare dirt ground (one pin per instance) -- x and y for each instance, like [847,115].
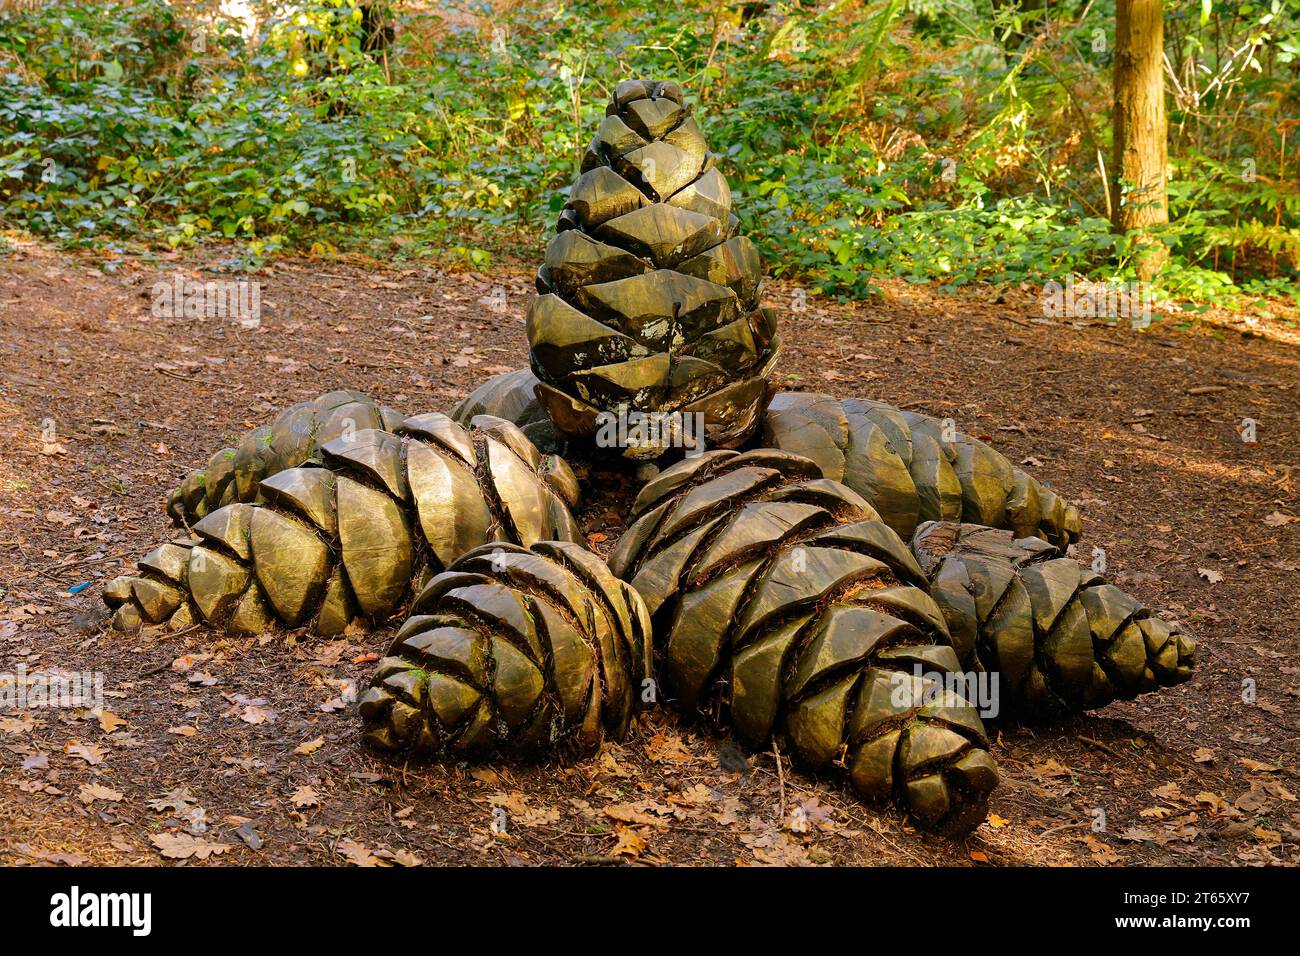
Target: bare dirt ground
[246,752]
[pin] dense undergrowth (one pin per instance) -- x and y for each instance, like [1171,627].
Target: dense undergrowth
[940,140]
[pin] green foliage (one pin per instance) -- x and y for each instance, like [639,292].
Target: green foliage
[938,140]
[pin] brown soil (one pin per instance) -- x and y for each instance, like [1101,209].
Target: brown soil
[260,733]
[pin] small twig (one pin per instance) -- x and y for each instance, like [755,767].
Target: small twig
[780,776]
[1099,745]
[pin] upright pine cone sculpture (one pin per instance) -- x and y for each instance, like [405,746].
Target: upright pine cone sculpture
[912,471]
[1057,635]
[232,474]
[513,650]
[780,599]
[647,298]
[345,538]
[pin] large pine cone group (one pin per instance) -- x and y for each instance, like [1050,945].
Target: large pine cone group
[513,650]
[782,602]
[1059,638]
[647,298]
[345,538]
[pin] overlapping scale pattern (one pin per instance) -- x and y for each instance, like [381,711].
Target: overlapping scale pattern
[344,538]
[915,468]
[513,650]
[233,474]
[1058,636]
[648,299]
[782,603]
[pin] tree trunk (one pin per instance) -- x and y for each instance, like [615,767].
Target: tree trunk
[1138,194]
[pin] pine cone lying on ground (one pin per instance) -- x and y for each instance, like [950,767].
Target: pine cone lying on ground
[232,474]
[647,298]
[345,539]
[915,468]
[513,650]
[512,396]
[783,603]
[1057,635]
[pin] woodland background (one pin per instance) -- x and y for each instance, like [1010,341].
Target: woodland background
[952,141]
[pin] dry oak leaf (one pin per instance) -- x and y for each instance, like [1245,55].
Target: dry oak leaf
[400,857]
[1102,853]
[182,846]
[358,855]
[183,731]
[90,792]
[16,725]
[109,721]
[1258,766]
[630,813]
[630,843]
[310,747]
[1210,575]
[667,747]
[306,797]
[93,754]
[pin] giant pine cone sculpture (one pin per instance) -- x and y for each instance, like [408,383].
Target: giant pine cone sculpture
[782,601]
[1057,635]
[647,298]
[232,474]
[516,650]
[912,468]
[344,539]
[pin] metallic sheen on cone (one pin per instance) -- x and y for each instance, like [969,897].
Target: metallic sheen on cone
[648,300]
[513,650]
[914,468]
[781,599]
[1060,638]
[232,474]
[344,539]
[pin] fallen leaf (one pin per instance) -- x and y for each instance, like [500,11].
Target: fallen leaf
[1209,574]
[93,754]
[1257,766]
[90,792]
[630,843]
[109,721]
[182,846]
[306,797]
[310,747]
[356,854]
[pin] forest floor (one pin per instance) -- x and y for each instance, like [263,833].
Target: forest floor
[247,751]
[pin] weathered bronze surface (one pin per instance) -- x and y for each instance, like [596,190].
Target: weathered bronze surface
[782,601]
[513,650]
[232,474]
[1057,635]
[914,468]
[648,300]
[342,538]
